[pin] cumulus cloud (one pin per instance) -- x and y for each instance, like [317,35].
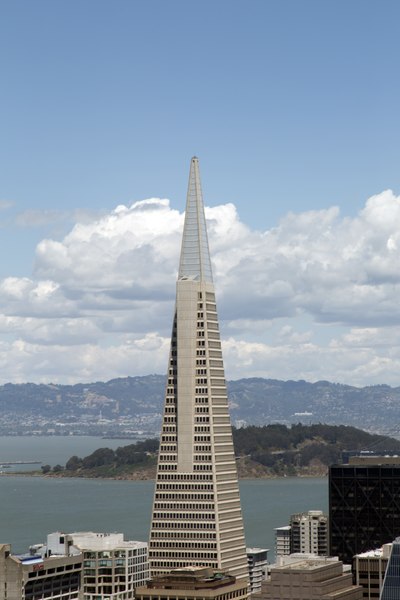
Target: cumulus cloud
[313,298]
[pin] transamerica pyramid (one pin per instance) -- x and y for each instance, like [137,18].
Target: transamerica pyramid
[197,519]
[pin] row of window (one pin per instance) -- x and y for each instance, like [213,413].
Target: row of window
[201,400]
[168,438]
[190,477]
[200,545]
[174,515]
[201,390]
[172,487]
[169,428]
[192,535]
[176,564]
[202,370]
[183,554]
[184,525]
[189,496]
[61,569]
[183,506]
[202,457]
[111,553]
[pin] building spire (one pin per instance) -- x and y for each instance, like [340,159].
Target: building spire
[195,261]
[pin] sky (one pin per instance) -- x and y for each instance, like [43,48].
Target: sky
[293,110]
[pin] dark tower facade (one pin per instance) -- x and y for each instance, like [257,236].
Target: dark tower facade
[364,507]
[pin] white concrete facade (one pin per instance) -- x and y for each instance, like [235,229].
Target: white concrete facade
[282,540]
[257,560]
[310,532]
[197,519]
[112,567]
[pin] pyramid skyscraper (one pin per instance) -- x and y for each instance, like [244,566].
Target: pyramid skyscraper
[197,518]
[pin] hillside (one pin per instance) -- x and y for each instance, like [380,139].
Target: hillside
[126,406]
[269,451]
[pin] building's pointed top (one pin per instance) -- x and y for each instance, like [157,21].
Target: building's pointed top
[195,256]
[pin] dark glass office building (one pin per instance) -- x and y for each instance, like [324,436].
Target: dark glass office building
[391,583]
[364,507]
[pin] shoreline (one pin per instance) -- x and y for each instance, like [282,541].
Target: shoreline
[143,478]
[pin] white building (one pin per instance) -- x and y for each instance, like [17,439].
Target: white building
[307,533]
[369,570]
[112,567]
[197,518]
[257,559]
[282,540]
[310,532]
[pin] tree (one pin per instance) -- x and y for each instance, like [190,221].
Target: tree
[102,456]
[74,463]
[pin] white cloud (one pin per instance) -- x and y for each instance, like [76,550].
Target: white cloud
[28,361]
[38,218]
[313,298]
[5,204]
[32,218]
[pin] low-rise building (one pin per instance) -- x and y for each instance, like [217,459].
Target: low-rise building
[309,532]
[306,533]
[112,567]
[306,578]
[283,540]
[75,566]
[34,577]
[194,583]
[257,559]
[369,570]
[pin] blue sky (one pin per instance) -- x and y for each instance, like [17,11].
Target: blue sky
[292,106]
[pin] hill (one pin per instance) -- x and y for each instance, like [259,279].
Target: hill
[269,451]
[126,406]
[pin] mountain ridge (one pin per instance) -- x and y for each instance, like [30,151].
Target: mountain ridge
[128,404]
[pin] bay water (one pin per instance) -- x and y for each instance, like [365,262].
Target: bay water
[32,507]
